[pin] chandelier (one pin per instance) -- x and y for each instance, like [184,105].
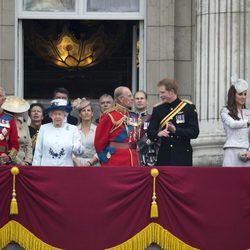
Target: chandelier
[69,52]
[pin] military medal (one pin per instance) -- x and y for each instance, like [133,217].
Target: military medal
[145,125]
[4,123]
[108,155]
[180,119]
[4,131]
[132,121]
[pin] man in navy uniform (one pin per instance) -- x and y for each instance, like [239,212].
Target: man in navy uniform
[175,123]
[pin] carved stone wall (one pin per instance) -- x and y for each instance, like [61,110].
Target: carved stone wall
[7,45]
[222,49]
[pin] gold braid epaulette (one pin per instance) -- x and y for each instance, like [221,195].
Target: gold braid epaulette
[117,124]
[116,107]
[12,153]
[33,139]
[187,101]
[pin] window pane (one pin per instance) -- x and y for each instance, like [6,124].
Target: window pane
[113,5]
[49,5]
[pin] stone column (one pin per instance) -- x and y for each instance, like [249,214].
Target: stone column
[160,20]
[222,45]
[7,45]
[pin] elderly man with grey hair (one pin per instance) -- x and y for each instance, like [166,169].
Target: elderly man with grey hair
[105,103]
[118,131]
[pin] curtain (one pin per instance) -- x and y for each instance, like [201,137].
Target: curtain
[109,208]
[49,5]
[113,5]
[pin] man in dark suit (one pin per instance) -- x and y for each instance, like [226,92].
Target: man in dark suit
[175,122]
[61,93]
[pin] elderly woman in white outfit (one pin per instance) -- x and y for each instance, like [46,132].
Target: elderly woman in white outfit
[236,121]
[57,141]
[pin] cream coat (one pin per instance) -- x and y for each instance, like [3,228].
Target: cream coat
[25,147]
[237,131]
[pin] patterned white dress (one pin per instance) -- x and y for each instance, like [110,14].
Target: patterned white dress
[55,146]
[88,142]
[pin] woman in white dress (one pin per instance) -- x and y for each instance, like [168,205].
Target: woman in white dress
[57,141]
[87,131]
[236,120]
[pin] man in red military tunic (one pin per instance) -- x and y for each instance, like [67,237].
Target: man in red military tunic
[118,131]
[8,134]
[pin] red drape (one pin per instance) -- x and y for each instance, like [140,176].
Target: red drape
[98,208]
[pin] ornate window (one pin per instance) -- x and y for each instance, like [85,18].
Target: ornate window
[113,5]
[49,5]
[80,41]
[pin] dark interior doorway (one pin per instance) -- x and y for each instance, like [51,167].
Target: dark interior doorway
[41,76]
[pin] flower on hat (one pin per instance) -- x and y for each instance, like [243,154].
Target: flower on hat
[76,103]
[59,104]
[80,103]
[239,84]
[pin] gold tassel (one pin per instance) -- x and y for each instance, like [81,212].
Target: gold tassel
[13,205]
[154,207]
[154,210]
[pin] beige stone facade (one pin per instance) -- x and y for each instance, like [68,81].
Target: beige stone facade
[198,42]
[170,45]
[7,45]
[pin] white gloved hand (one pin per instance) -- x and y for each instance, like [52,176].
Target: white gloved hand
[78,148]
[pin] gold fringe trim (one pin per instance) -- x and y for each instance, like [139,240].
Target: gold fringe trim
[153,233]
[14,231]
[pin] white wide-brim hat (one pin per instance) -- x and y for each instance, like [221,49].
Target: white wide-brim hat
[15,104]
[59,104]
[239,84]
